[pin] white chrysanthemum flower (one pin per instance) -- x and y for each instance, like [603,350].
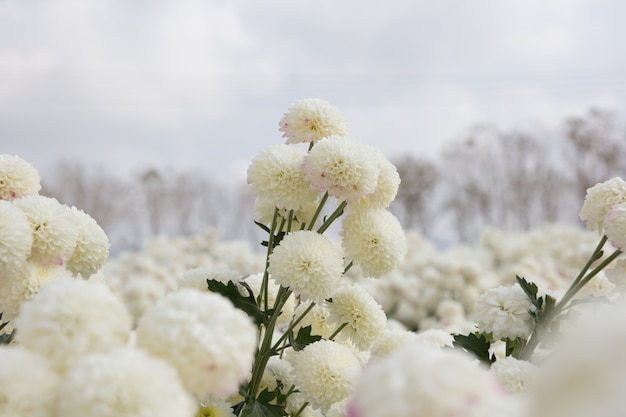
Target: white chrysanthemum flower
[28,384]
[374,240]
[216,409]
[92,246]
[197,277]
[420,380]
[343,167]
[325,372]
[70,318]
[276,174]
[504,312]
[391,340]
[264,213]
[601,198]
[25,284]
[615,226]
[124,382]
[54,228]
[386,187]
[365,318]
[617,275]
[316,318]
[308,263]
[436,337]
[208,340]
[254,281]
[18,178]
[16,238]
[278,374]
[516,376]
[312,119]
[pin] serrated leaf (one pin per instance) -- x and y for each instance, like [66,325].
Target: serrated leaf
[246,303]
[476,344]
[262,407]
[531,291]
[303,338]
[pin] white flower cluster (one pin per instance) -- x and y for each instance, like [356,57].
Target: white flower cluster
[40,238]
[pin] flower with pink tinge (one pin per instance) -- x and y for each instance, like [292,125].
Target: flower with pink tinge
[312,119]
[18,178]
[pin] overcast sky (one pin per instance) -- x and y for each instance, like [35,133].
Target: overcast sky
[199,84]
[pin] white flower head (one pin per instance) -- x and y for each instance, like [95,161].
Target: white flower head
[18,178]
[364,317]
[600,199]
[27,382]
[276,174]
[615,225]
[374,240]
[386,186]
[504,312]
[308,263]
[54,229]
[325,372]
[391,340]
[420,380]
[312,119]
[16,238]
[25,284]
[343,167]
[616,274]
[123,383]
[92,245]
[516,376]
[204,336]
[70,318]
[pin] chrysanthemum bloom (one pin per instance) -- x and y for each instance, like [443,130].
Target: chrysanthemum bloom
[390,341]
[504,312]
[386,187]
[254,281]
[516,376]
[123,383]
[374,240]
[365,318]
[54,228]
[92,245]
[27,382]
[70,318]
[617,275]
[436,337]
[325,372]
[16,238]
[204,336]
[216,409]
[308,263]
[420,380]
[615,226]
[25,284]
[343,167]
[18,178]
[264,213]
[601,198]
[276,174]
[312,119]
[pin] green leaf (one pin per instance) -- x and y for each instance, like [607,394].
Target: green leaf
[303,339]
[245,303]
[262,407]
[531,291]
[475,343]
[262,226]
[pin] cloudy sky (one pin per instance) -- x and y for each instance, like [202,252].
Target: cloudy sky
[202,84]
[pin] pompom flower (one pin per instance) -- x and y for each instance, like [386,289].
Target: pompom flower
[92,246]
[27,382]
[419,380]
[374,240]
[54,229]
[390,341]
[25,284]
[16,239]
[204,336]
[365,318]
[343,167]
[600,199]
[70,318]
[18,178]
[386,186]
[615,226]
[123,383]
[504,312]
[515,375]
[308,263]
[325,372]
[276,174]
[312,119]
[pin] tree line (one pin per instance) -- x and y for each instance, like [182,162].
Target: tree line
[510,179]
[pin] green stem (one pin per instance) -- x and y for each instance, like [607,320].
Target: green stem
[270,248]
[301,409]
[318,211]
[292,326]
[337,331]
[348,267]
[338,212]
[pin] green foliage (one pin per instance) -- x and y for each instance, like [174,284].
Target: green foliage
[303,338]
[263,406]
[5,338]
[246,303]
[476,344]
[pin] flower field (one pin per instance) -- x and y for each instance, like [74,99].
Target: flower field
[371,321]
